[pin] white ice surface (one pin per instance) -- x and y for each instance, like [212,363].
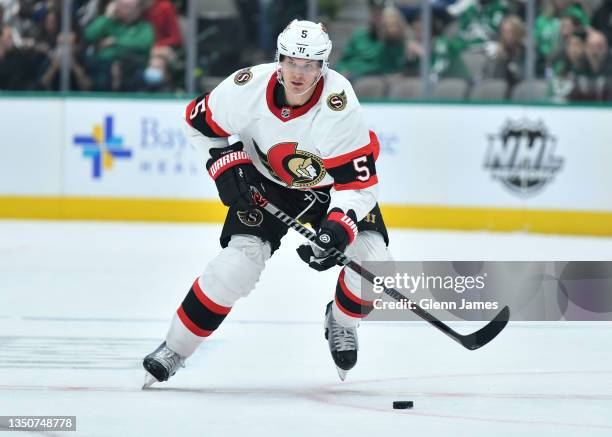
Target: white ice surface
[82,303]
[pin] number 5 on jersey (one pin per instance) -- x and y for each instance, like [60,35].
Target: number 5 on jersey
[354,173]
[361,167]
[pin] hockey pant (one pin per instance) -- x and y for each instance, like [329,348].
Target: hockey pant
[233,273]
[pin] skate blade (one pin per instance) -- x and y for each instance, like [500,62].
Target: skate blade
[342,373]
[149,381]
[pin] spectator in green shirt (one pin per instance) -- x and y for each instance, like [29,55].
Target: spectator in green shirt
[479,20]
[377,50]
[446,50]
[122,40]
[548,27]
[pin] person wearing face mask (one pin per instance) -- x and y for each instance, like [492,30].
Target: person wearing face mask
[156,76]
[294,131]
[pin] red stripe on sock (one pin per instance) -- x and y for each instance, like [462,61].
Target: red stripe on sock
[347,312]
[349,294]
[205,300]
[190,325]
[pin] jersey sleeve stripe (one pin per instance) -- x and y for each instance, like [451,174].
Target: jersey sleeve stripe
[189,111]
[213,125]
[357,185]
[373,147]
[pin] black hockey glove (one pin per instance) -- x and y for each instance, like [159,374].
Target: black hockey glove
[234,174]
[338,230]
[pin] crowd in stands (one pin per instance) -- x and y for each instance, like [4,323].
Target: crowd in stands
[118,45]
[484,41]
[137,45]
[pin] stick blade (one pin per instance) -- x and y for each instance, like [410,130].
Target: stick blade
[487,333]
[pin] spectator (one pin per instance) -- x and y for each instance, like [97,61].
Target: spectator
[446,52]
[602,20]
[157,77]
[566,68]
[162,16]
[479,20]
[19,66]
[507,59]
[569,26]
[121,37]
[548,27]
[47,33]
[378,49]
[50,78]
[593,82]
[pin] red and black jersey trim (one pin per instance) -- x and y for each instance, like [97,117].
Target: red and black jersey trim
[199,313]
[357,169]
[350,304]
[199,116]
[211,122]
[291,113]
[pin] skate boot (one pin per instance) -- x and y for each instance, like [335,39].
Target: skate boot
[161,364]
[342,343]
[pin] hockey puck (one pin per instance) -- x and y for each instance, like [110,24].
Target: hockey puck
[402,405]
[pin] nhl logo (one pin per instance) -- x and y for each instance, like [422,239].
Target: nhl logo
[286,112]
[522,157]
[252,217]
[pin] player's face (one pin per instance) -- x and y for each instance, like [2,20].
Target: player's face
[299,74]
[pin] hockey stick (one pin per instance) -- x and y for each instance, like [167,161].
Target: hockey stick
[470,341]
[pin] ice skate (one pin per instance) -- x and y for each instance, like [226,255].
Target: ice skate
[161,364]
[342,343]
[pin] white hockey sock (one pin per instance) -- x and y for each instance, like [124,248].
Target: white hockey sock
[180,339]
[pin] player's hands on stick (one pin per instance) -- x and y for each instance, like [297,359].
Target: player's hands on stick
[234,173]
[338,230]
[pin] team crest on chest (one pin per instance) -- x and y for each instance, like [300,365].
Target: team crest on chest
[294,167]
[243,76]
[337,101]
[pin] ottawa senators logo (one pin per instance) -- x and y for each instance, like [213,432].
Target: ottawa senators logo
[287,164]
[252,217]
[337,101]
[243,76]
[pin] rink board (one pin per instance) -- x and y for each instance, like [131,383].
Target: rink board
[441,166]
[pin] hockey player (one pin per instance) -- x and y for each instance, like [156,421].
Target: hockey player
[294,131]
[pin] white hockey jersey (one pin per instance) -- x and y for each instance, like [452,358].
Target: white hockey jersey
[320,144]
